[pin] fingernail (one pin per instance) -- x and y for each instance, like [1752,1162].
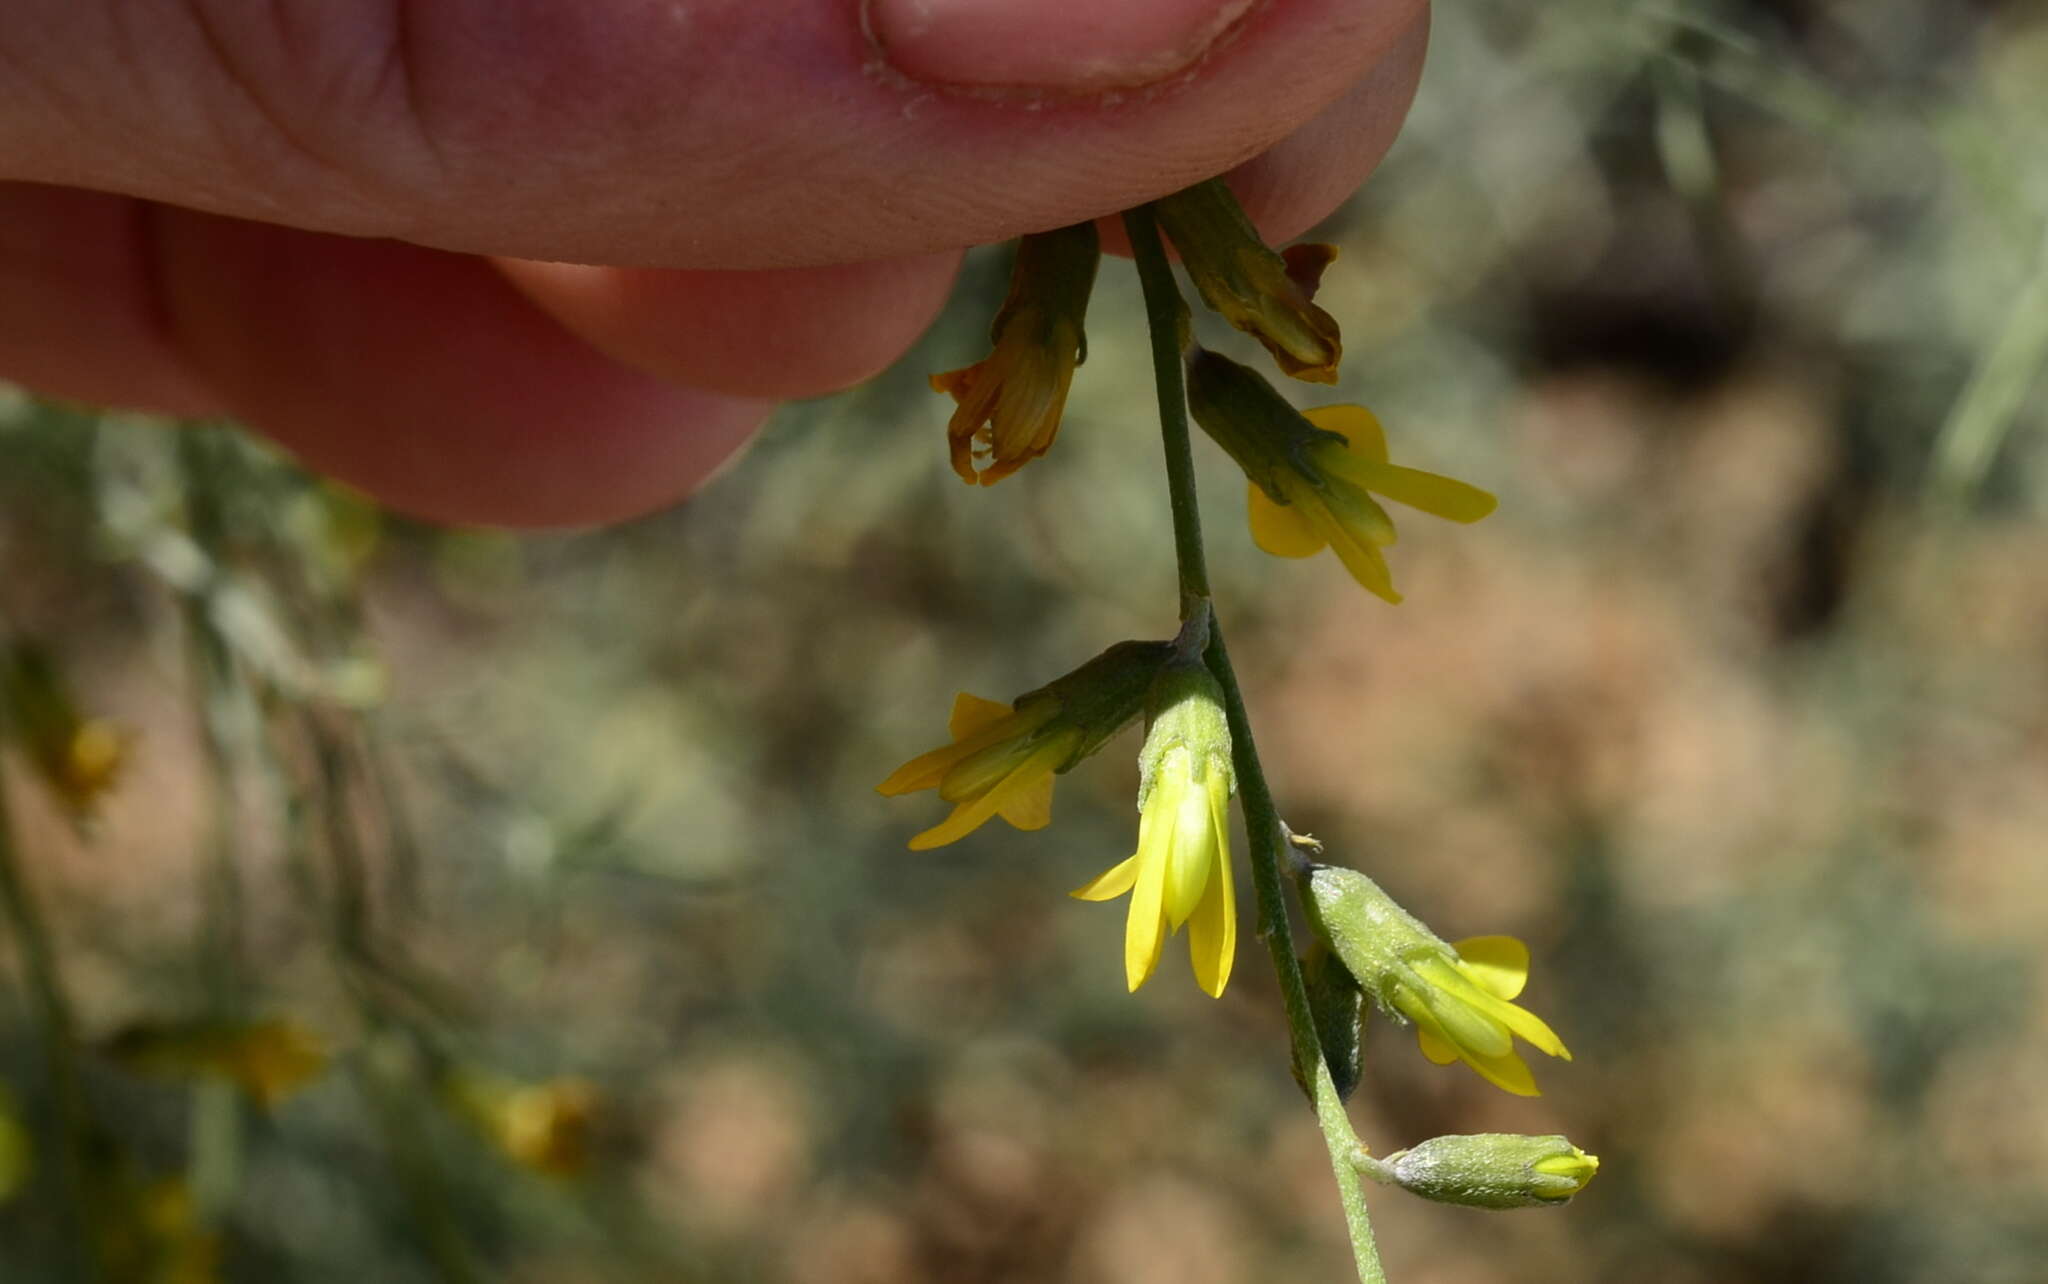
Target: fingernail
[1038,45]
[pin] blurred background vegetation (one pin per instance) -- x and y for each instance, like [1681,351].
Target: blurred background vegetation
[465,906]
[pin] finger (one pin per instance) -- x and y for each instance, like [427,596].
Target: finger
[78,316]
[426,380]
[718,134]
[789,333]
[1301,180]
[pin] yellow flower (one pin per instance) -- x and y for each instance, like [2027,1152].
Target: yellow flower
[1010,402]
[1462,1012]
[997,765]
[1003,756]
[1268,295]
[78,757]
[1328,504]
[268,1060]
[1459,997]
[1180,874]
[544,1127]
[1312,473]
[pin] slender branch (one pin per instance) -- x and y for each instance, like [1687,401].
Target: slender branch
[1167,314]
[1166,311]
[1266,837]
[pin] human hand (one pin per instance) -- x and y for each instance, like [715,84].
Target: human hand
[358,227]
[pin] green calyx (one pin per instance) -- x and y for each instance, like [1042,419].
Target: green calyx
[1050,284]
[1100,698]
[1246,415]
[1184,710]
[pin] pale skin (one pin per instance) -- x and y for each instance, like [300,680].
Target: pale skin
[362,227]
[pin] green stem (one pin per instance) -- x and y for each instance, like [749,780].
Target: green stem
[1166,313]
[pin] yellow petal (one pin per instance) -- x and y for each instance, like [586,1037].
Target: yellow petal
[973,812]
[1193,850]
[1281,529]
[1509,1073]
[1531,1027]
[1145,930]
[1435,1046]
[1365,562]
[922,772]
[1364,438]
[1110,884]
[1499,964]
[1212,933]
[1444,497]
[1028,806]
[966,818]
[971,713]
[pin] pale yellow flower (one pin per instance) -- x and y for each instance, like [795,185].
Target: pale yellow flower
[997,765]
[1328,502]
[1180,874]
[1462,1011]
[1003,756]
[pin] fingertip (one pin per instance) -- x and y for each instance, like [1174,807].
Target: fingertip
[425,380]
[782,333]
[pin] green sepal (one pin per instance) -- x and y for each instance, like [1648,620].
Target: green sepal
[1338,1007]
[1246,415]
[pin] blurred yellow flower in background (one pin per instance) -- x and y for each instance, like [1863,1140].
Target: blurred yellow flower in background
[268,1059]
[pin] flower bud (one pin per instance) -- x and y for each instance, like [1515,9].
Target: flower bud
[1010,402]
[1494,1170]
[1268,295]
[1456,996]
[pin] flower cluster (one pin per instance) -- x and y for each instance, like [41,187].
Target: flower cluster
[1315,479]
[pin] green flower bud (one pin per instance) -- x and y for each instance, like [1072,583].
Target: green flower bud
[1493,1170]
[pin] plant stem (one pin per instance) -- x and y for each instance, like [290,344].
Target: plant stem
[1166,312]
